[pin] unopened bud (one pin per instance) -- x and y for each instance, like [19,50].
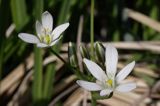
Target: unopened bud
[100,52]
[84,52]
[72,55]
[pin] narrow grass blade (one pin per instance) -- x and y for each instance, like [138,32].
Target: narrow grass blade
[19,14]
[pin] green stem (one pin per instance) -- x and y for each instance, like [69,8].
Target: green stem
[55,53]
[92,41]
[92,29]
[48,81]
[37,90]
[37,83]
[77,72]
[93,100]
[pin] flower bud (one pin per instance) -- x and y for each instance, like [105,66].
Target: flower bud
[84,52]
[100,52]
[72,55]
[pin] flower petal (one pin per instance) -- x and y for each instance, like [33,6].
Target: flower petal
[95,70]
[111,56]
[41,45]
[126,87]
[105,92]
[39,28]
[58,30]
[125,71]
[54,42]
[89,85]
[47,20]
[29,38]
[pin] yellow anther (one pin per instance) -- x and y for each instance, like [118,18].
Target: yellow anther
[45,36]
[47,39]
[109,82]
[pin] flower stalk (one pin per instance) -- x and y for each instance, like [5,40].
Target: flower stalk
[93,100]
[56,54]
[92,41]
[92,29]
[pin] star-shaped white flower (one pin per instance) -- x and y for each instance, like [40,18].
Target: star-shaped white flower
[46,36]
[110,81]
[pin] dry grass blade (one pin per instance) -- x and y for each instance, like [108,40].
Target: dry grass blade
[21,91]
[67,91]
[142,70]
[19,72]
[79,37]
[136,46]
[142,19]
[140,45]
[156,87]
[61,86]
[16,74]
[23,88]
[10,30]
[75,99]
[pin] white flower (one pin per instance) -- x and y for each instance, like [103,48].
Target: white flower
[46,36]
[109,81]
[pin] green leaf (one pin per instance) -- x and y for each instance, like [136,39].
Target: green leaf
[37,93]
[48,81]
[4,13]
[19,14]
[65,11]
[38,9]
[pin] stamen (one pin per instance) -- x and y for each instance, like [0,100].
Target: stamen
[109,82]
[47,39]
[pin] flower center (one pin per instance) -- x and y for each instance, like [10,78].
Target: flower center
[45,37]
[109,82]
